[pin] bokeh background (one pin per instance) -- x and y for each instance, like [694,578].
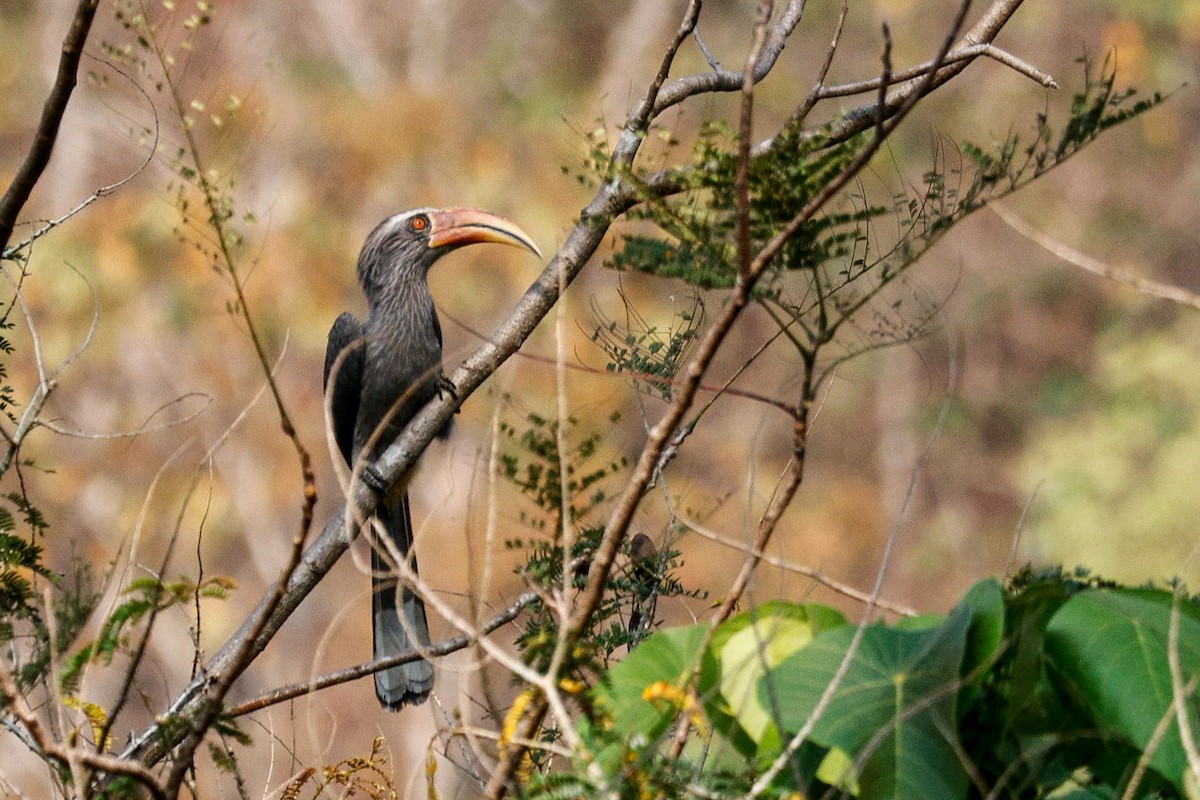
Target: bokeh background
[1073,403]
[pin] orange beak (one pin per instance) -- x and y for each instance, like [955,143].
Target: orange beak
[455,227]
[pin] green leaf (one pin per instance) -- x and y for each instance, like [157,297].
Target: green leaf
[1030,704]
[742,650]
[667,658]
[986,600]
[894,709]
[1110,647]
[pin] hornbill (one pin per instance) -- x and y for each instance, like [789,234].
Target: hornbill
[378,374]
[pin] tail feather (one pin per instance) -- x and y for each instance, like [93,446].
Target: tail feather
[399,615]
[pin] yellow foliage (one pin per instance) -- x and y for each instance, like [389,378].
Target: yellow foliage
[96,717]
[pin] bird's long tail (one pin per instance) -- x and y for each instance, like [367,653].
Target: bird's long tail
[399,615]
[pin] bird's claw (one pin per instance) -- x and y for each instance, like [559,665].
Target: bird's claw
[374,481]
[445,387]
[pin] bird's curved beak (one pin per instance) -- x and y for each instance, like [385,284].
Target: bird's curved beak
[455,227]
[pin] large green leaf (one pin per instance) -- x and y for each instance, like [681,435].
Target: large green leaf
[894,709]
[742,650]
[1110,647]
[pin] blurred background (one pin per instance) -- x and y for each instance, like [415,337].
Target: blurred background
[1073,403]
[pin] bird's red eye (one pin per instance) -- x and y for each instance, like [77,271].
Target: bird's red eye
[418,223]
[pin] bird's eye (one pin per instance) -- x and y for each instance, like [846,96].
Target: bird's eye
[418,223]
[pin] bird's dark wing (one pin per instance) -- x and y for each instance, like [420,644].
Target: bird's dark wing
[437,326]
[344,363]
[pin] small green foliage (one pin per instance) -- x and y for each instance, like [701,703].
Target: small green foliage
[223,758]
[702,225]
[535,464]
[145,597]
[230,728]
[631,596]
[8,398]
[73,601]
[652,357]
[594,164]
[18,560]
[21,612]
[840,266]
[626,612]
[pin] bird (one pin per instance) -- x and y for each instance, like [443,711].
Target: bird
[644,566]
[379,372]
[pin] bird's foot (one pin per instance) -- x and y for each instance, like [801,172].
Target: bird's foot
[445,386]
[374,481]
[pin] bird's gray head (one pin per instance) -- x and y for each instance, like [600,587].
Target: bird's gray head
[404,246]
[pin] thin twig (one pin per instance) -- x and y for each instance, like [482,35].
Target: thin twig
[30,171]
[443,648]
[720,80]
[1152,744]
[968,53]
[844,589]
[71,756]
[1019,529]
[144,428]
[1163,291]
[10,252]
[1179,692]
[628,374]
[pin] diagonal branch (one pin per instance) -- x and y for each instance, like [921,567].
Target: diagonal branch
[51,750]
[723,80]
[865,117]
[281,600]
[613,198]
[444,648]
[44,138]
[1163,291]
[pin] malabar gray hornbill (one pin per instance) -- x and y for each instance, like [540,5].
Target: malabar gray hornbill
[378,374]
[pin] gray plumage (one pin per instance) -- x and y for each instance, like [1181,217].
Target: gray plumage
[390,371]
[383,370]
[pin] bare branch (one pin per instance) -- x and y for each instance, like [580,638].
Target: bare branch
[103,191]
[71,756]
[720,80]
[613,198]
[443,648]
[816,575]
[1163,291]
[964,54]
[47,131]
[741,180]
[145,427]
[864,117]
